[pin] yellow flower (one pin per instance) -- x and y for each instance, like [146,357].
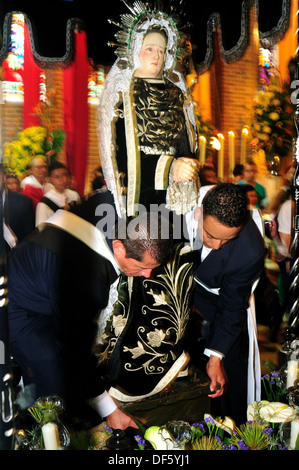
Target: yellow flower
[274,116]
[262,99]
[274,88]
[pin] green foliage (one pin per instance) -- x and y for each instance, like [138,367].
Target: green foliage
[272,120]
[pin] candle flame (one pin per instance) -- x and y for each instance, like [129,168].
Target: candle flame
[231,133]
[215,143]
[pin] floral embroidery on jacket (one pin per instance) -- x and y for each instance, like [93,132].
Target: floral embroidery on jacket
[160,322]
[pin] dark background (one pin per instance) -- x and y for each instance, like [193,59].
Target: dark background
[49,20]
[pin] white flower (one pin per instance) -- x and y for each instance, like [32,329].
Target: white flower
[253,410]
[136,352]
[185,249]
[160,438]
[155,338]
[159,298]
[118,324]
[276,412]
[227,424]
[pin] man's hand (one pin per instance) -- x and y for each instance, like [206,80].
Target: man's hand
[217,375]
[119,420]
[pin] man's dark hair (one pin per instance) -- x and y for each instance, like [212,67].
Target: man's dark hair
[228,203]
[238,170]
[207,176]
[148,232]
[97,183]
[246,188]
[56,165]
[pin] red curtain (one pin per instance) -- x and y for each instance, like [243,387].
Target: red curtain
[76,111]
[31,83]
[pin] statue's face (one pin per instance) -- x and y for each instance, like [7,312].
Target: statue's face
[152,56]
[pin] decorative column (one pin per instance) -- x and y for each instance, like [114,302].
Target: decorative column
[31,83]
[293,299]
[76,110]
[6,377]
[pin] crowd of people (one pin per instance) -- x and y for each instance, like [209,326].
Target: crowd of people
[104,308]
[277,214]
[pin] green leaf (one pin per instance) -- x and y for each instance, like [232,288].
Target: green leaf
[270,365]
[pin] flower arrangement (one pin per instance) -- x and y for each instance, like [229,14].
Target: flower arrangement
[262,431]
[49,433]
[213,435]
[273,387]
[18,154]
[272,120]
[270,425]
[44,409]
[36,141]
[55,136]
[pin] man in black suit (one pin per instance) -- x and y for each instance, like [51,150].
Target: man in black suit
[20,214]
[59,280]
[19,218]
[232,258]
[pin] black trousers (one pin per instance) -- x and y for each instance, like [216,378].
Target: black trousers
[233,402]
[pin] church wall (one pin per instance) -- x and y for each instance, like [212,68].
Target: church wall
[233,89]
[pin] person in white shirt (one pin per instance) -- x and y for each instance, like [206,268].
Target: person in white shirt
[59,197]
[283,235]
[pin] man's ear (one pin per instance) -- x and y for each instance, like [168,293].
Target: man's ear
[118,248]
[197,213]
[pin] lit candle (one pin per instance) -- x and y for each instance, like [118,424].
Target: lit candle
[202,150]
[220,156]
[231,151]
[294,433]
[292,373]
[51,437]
[243,145]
